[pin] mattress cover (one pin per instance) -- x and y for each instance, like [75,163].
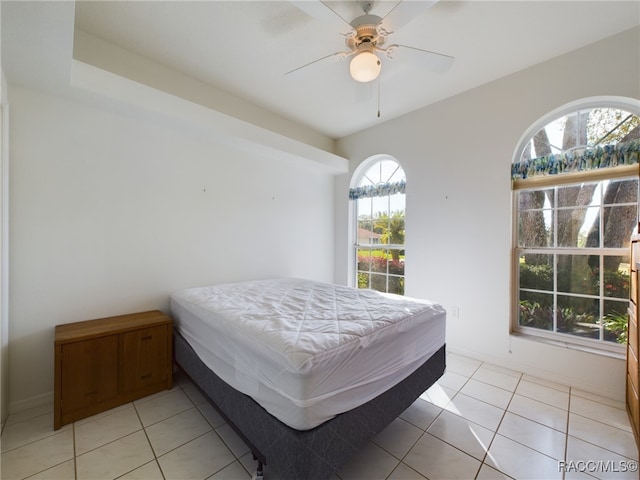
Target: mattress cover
[304,350]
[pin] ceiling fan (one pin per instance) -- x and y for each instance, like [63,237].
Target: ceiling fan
[367,35]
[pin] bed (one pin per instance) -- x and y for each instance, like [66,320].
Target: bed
[307,372]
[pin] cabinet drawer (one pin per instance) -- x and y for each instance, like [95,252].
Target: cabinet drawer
[635,254]
[633,332]
[145,358]
[633,404]
[632,368]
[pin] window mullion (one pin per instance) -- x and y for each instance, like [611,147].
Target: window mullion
[601,299]
[554,312]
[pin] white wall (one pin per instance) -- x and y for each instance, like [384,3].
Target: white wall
[4,220]
[457,156]
[111,58]
[112,210]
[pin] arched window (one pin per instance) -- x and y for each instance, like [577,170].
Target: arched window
[378,196]
[575,191]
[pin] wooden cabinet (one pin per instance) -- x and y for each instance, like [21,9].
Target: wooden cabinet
[103,363]
[633,380]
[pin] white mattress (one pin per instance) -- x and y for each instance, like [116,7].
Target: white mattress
[307,351]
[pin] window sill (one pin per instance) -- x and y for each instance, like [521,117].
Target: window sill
[571,346]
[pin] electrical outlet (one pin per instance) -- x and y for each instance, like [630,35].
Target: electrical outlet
[455,311]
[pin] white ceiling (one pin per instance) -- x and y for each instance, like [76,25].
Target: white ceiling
[245,48]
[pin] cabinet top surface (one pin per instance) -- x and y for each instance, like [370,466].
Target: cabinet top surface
[109,325]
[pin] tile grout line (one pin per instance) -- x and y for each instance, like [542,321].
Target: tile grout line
[75,456]
[50,434]
[424,431]
[214,431]
[155,456]
[396,467]
[566,435]
[486,453]
[595,420]
[494,433]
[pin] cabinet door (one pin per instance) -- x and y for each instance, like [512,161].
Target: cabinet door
[89,372]
[145,359]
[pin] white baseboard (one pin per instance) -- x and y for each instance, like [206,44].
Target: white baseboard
[33,402]
[543,374]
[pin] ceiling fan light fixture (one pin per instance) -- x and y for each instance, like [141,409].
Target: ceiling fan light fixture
[365,66]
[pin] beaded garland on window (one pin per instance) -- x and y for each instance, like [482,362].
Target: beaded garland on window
[379,190]
[606,156]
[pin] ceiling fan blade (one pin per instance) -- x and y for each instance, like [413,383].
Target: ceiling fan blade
[403,13]
[436,62]
[323,12]
[309,68]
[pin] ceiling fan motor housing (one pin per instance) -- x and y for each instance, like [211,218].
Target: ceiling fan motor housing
[366,31]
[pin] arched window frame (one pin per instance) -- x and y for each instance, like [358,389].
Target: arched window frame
[552,181]
[394,274]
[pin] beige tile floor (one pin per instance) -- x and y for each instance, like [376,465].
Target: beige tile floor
[480,421]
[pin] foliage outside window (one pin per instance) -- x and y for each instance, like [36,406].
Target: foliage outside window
[379,197]
[573,231]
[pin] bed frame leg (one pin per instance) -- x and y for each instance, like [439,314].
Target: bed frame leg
[259,475]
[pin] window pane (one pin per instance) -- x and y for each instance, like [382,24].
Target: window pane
[619,222]
[535,219]
[371,176]
[616,277]
[534,230]
[578,274]
[378,282]
[617,192]
[574,227]
[615,321]
[537,199]
[397,203]
[396,285]
[396,262]
[391,172]
[380,206]
[589,235]
[366,236]
[378,261]
[536,272]
[536,310]
[364,260]
[579,316]
[363,280]
[576,195]
[365,206]
[383,172]
[366,181]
